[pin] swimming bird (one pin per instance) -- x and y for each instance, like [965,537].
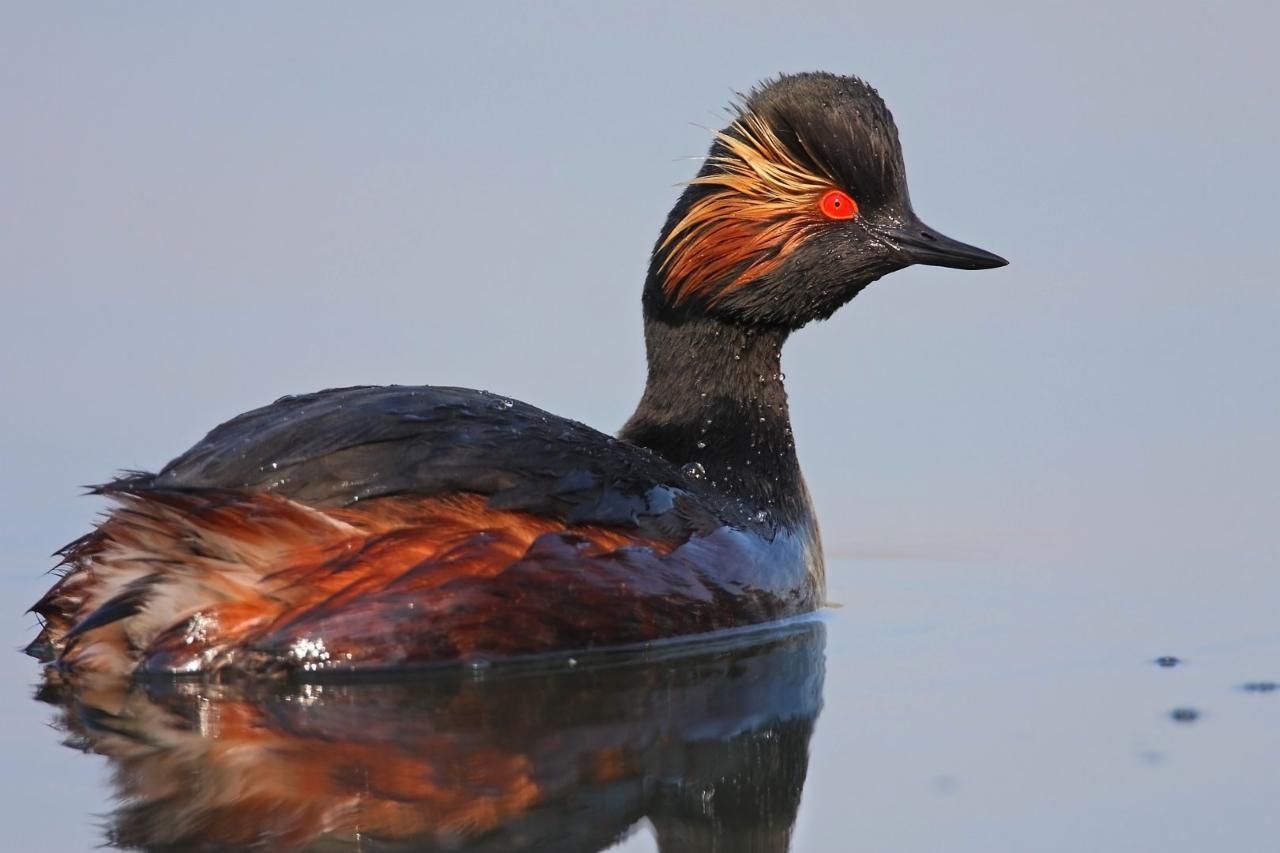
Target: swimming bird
[385,527]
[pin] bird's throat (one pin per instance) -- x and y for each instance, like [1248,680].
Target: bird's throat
[715,404]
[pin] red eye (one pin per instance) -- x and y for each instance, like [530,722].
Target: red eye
[836,204]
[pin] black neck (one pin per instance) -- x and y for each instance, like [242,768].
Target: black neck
[715,397]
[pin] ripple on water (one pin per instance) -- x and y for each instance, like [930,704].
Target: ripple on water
[1260,686]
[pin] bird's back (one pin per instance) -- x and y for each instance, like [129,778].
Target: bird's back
[374,527]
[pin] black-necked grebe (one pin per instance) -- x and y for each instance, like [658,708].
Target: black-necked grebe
[378,527]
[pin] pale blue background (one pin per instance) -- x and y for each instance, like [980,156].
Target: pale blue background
[202,208]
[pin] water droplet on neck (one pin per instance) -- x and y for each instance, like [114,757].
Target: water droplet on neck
[761,517]
[503,403]
[694,471]
[702,445]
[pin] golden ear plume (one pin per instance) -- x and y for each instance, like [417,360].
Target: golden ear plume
[764,205]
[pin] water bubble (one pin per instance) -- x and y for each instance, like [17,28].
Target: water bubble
[701,445]
[694,471]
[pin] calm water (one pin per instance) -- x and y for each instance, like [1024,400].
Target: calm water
[946,705]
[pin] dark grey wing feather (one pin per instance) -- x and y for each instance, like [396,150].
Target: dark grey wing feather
[343,445]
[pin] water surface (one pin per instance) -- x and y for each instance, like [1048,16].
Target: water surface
[954,705]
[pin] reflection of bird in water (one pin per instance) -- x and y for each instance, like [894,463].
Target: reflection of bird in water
[710,744]
[367,528]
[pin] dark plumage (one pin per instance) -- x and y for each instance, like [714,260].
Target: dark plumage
[373,527]
[337,447]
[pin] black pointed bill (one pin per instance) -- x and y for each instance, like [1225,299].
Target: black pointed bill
[923,245]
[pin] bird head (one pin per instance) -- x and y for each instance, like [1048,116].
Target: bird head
[801,203]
